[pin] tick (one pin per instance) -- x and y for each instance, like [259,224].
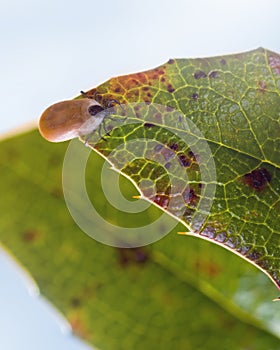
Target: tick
[66,120]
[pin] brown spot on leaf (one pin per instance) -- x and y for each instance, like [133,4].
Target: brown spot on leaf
[184,160]
[167,153]
[162,200]
[174,146]
[149,125]
[208,232]
[118,89]
[158,116]
[169,109]
[194,96]
[171,61]
[141,77]
[170,88]
[160,71]
[274,63]
[30,236]
[264,264]
[136,108]
[131,83]
[223,62]
[214,74]
[232,242]
[75,302]
[207,267]
[189,195]
[243,249]
[158,148]
[167,165]
[254,255]
[192,156]
[200,74]
[132,256]
[257,179]
[221,237]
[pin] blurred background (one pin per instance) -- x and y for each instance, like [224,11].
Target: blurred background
[50,50]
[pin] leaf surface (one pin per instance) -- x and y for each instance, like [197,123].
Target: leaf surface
[228,193]
[176,293]
[179,292]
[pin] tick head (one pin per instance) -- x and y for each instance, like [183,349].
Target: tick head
[94,109]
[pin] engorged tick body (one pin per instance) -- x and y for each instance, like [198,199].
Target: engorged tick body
[66,120]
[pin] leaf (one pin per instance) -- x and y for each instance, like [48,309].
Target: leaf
[175,293]
[179,292]
[211,148]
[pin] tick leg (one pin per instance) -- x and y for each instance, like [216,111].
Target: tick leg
[107,133]
[86,95]
[110,103]
[99,132]
[87,140]
[107,104]
[92,97]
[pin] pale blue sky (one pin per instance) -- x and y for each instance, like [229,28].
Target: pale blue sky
[50,50]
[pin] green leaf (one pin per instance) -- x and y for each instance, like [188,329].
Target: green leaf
[176,293]
[179,292]
[213,162]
